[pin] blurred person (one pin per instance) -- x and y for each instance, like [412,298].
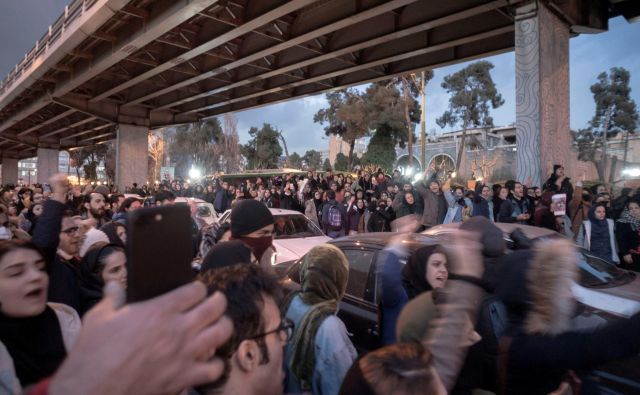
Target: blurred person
[253,356]
[597,235]
[333,216]
[425,270]
[313,208]
[406,369]
[223,197]
[91,237]
[226,253]
[94,208]
[482,202]
[59,238]
[407,206]
[164,198]
[35,336]
[628,235]
[434,203]
[354,214]
[380,218]
[516,208]
[253,224]
[103,262]
[128,205]
[320,352]
[29,219]
[500,195]
[543,217]
[116,232]
[579,207]
[114,202]
[561,182]
[539,347]
[459,206]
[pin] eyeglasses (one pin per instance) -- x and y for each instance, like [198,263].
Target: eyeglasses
[286,327]
[71,230]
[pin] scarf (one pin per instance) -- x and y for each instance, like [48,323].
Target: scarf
[414,273]
[627,218]
[324,275]
[35,345]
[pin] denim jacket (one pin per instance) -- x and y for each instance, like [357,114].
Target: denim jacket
[334,353]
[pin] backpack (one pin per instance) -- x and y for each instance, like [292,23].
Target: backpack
[335,217]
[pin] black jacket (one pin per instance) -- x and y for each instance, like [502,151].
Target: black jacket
[63,274]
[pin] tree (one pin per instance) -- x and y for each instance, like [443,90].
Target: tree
[77,157]
[196,144]
[156,153]
[94,155]
[346,117]
[615,113]
[295,161]
[472,91]
[381,150]
[389,108]
[326,166]
[263,150]
[342,162]
[231,156]
[313,159]
[110,162]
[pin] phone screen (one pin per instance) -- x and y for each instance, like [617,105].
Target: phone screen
[159,250]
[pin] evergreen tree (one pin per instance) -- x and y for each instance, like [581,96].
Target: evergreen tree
[263,150]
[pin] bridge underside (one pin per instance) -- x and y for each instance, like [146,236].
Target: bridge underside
[150,65]
[109,64]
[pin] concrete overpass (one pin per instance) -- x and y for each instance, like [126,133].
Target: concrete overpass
[115,68]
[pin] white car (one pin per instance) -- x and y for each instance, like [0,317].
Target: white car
[294,234]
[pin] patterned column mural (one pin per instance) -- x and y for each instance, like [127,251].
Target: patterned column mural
[542,93]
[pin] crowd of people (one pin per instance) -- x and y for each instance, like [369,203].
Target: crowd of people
[65,327]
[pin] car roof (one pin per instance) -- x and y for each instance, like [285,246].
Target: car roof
[279,211]
[383,238]
[532,232]
[186,200]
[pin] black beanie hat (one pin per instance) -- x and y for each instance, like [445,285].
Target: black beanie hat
[249,215]
[224,254]
[555,168]
[491,238]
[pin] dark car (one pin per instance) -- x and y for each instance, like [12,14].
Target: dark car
[360,312]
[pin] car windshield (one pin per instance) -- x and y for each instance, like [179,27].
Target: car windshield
[294,226]
[596,273]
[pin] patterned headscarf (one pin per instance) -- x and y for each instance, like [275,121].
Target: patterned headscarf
[627,218]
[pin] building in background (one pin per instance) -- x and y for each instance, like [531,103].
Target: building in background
[337,145]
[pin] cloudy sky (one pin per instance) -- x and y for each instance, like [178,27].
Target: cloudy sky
[22,22]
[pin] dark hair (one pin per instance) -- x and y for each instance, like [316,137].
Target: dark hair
[455,188]
[245,287]
[496,189]
[115,197]
[510,185]
[126,204]
[401,368]
[165,195]
[7,246]
[96,255]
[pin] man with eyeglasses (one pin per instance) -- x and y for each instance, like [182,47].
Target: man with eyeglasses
[59,237]
[253,357]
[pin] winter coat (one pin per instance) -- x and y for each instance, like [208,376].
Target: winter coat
[70,326]
[63,272]
[222,201]
[326,225]
[511,208]
[628,240]
[583,239]
[380,221]
[435,206]
[353,218]
[456,212]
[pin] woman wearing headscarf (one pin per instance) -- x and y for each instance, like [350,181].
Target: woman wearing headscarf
[628,234]
[320,352]
[425,270]
[103,262]
[116,232]
[355,211]
[597,235]
[34,335]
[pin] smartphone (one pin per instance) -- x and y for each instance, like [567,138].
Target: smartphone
[159,251]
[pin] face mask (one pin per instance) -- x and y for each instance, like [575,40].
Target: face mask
[258,244]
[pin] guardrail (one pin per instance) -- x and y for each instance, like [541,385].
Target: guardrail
[71,13]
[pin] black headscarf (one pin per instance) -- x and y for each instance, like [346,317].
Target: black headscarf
[414,272]
[224,254]
[90,280]
[111,230]
[35,345]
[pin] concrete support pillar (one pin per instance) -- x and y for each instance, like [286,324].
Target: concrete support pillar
[47,164]
[131,155]
[542,93]
[9,171]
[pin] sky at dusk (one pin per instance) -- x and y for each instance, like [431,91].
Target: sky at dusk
[22,22]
